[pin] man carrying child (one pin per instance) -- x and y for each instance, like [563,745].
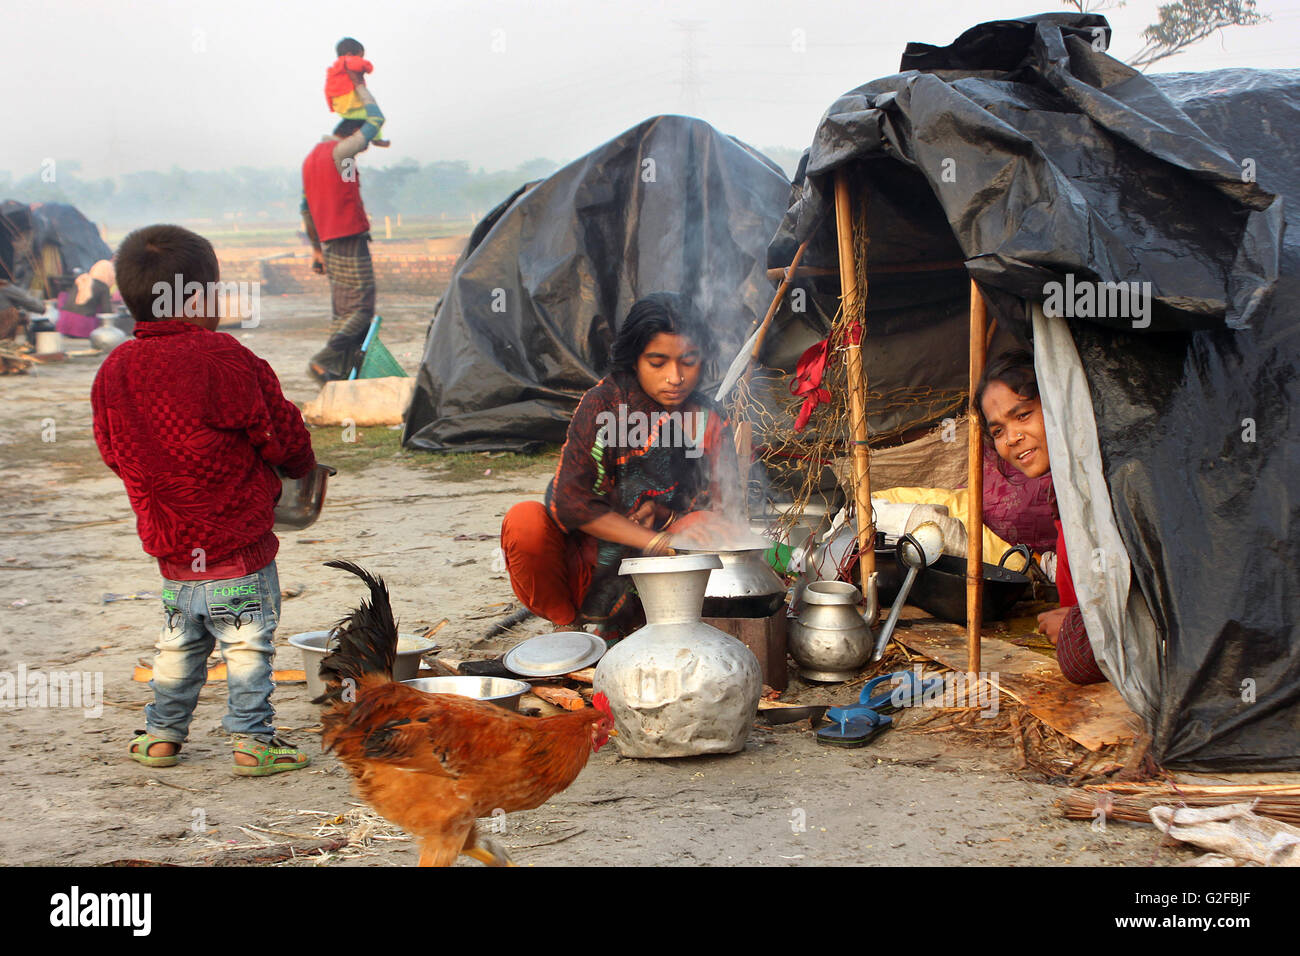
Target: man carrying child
[336,223]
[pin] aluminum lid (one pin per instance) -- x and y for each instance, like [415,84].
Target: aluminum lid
[551,655]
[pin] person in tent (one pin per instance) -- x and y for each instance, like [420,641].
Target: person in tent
[646,458]
[1012,416]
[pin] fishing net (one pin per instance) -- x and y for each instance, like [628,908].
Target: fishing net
[810,464]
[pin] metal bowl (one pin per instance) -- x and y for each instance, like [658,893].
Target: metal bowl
[792,713]
[301,499]
[313,646]
[501,691]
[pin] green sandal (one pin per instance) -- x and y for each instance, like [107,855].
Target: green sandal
[271,757]
[144,742]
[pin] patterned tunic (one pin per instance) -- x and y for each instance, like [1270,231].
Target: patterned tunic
[623,449]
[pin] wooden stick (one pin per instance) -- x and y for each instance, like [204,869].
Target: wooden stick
[857,380]
[975,487]
[787,276]
[745,429]
[815,271]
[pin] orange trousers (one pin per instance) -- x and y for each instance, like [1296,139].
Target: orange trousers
[548,570]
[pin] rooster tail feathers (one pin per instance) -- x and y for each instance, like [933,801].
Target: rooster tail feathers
[364,642]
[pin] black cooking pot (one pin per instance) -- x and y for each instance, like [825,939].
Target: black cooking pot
[941,588]
[889,574]
[758,605]
[745,586]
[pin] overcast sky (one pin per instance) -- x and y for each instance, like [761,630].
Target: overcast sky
[126,85]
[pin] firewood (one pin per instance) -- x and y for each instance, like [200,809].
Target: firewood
[1133,802]
[561,697]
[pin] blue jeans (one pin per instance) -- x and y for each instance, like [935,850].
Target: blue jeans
[241,614]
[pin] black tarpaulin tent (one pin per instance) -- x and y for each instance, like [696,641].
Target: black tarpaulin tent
[536,298]
[50,225]
[1022,155]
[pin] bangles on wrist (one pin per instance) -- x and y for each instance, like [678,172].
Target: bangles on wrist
[659,545]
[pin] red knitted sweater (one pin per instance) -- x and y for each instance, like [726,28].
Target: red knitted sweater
[192,422]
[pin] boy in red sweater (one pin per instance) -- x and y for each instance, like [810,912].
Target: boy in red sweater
[195,424]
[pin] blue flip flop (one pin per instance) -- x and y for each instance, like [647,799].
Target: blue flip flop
[908,693]
[857,730]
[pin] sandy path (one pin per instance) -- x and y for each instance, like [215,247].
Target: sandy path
[71,795]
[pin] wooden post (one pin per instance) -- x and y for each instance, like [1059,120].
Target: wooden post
[849,293]
[388,228]
[975,487]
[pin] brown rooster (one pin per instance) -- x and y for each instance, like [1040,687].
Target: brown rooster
[434,763]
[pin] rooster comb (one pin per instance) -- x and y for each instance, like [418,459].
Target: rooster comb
[601,703]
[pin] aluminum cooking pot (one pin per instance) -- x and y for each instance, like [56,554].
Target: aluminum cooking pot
[301,499]
[745,585]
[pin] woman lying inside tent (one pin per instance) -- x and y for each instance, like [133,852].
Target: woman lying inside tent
[1012,414]
[645,458]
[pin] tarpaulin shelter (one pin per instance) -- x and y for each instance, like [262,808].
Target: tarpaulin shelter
[537,296]
[56,238]
[1023,155]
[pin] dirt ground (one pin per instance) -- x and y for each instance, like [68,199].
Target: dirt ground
[71,795]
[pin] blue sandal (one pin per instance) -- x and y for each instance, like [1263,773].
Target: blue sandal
[855,730]
[909,693]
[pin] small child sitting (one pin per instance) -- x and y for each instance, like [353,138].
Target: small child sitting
[340,82]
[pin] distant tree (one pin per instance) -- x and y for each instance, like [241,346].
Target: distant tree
[383,186]
[536,169]
[1095,6]
[1190,21]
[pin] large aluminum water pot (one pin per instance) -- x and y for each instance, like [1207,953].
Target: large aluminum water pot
[830,639]
[678,687]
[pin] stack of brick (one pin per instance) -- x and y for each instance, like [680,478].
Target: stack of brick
[400,274]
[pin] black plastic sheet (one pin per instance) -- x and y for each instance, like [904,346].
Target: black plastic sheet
[536,299]
[1026,154]
[1201,438]
[52,223]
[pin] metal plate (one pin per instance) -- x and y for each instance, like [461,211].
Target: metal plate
[551,655]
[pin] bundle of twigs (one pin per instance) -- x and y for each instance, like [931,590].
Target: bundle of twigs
[1037,748]
[1133,801]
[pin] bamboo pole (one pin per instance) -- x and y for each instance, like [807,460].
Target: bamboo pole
[975,486]
[849,293]
[815,271]
[745,429]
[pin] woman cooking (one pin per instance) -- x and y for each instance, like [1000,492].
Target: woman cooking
[1012,413]
[645,457]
